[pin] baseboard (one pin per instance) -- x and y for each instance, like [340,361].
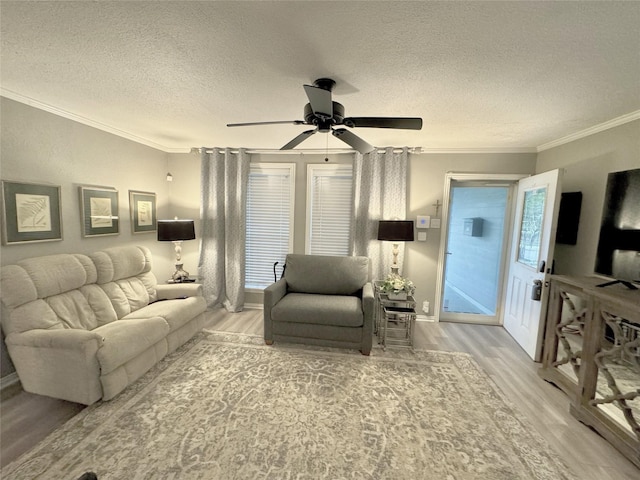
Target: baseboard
[8,380]
[253,306]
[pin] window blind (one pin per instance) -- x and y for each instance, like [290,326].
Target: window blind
[269,221]
[329,209]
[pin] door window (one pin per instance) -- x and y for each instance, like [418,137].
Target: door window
[531,227]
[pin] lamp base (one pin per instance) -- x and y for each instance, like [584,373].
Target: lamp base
[180,275]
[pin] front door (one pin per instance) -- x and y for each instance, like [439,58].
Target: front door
[531,260]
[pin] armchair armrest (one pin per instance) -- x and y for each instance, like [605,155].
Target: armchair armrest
[272,295]
[367,306]
[178,290]
[367,299]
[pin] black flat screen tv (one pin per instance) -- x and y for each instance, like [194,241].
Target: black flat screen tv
[618,255]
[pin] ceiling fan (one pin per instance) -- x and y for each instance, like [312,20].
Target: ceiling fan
[324,114]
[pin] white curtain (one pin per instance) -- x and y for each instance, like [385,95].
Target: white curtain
[225,176]
[380,193]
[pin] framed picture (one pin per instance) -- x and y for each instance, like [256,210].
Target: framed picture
[99,211]
[143,211]
[31,213]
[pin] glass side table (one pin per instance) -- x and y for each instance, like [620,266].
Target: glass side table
[394,320]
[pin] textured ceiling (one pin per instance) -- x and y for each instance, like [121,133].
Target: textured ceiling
[482,75]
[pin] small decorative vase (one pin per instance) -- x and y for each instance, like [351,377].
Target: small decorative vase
[397,296]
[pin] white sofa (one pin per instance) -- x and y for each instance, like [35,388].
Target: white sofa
[83,328]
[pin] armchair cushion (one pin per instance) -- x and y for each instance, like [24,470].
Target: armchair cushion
[326,274]
[342,310]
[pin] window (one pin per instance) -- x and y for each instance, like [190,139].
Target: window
[329,209]
[270,195]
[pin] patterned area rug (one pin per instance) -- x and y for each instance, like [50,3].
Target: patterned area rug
[225,407]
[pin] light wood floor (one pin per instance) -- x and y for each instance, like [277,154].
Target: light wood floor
[26,419]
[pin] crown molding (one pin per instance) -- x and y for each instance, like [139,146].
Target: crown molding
[630,117]
[83,120]
[616,122]
[476,150]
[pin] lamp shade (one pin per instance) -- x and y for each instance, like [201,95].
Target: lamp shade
[395,230]
[175,230]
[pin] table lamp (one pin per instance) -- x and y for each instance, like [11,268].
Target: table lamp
[395,231]
[177,231]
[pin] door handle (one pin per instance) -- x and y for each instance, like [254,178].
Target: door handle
[536,291]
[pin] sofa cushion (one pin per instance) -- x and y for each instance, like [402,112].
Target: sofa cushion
[176,312]
[341,310]
[126,339]
[66,310]
[100,304]
[41,277]
[73,310]
[33,315]
[328,275]
[121,262]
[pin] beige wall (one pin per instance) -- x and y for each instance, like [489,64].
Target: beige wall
[39,147]
[185,196]
[426,186]
[586,163]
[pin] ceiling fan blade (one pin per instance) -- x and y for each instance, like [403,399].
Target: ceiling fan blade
[279,122]
[353,140]
[320,100]
[408,123]
[299,139]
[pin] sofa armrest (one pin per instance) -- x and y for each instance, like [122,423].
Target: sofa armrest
[68,339]
[272,295]
[178,290]
[59,363]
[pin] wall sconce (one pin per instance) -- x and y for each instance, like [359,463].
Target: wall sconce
[169,177]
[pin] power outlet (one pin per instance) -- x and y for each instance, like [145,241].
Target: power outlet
[425,307]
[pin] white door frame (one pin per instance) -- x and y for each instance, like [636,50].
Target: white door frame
[444,230]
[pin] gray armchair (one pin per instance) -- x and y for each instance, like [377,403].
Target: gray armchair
[321,300]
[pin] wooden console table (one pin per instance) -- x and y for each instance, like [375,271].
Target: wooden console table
[592,352]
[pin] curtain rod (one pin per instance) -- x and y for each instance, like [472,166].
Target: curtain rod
[308,151]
